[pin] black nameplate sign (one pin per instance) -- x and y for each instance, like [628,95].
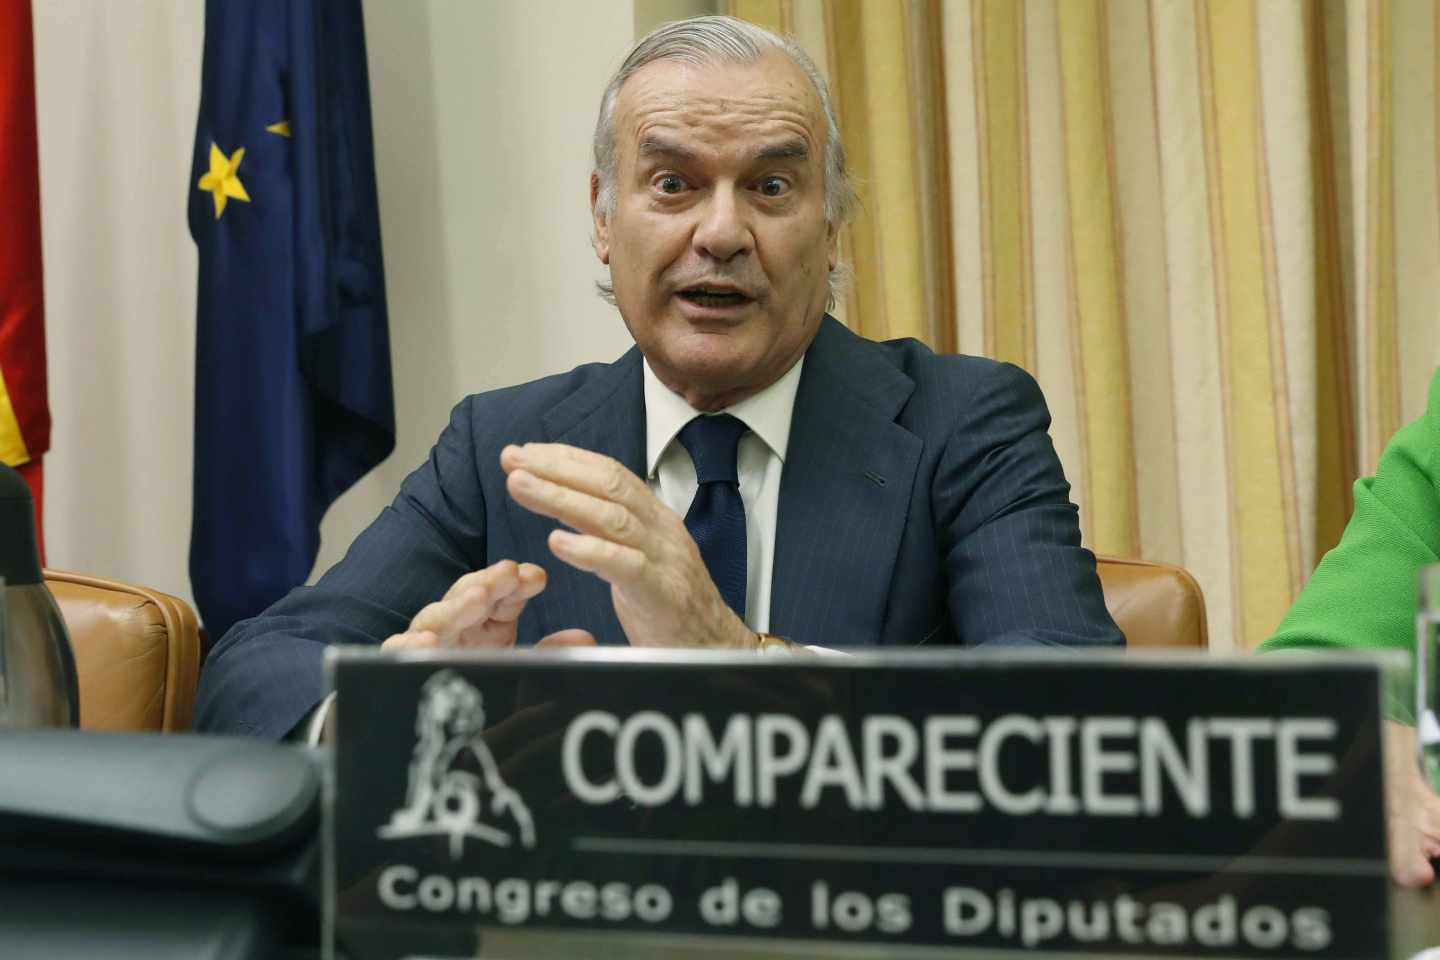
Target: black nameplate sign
[897,803]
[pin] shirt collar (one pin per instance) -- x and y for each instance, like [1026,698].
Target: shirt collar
[767,414]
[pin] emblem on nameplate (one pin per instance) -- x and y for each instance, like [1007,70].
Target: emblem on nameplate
[445,798]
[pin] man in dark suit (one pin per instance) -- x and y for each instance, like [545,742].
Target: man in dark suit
[834,491]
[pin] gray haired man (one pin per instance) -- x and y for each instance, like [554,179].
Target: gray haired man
[749,475]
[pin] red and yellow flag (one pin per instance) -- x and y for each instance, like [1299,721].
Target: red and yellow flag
[24,413]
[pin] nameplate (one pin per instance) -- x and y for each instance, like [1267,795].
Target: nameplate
[607,803]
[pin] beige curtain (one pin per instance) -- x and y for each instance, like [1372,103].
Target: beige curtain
[1210,228]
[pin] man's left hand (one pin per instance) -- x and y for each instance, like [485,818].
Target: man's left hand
[662,591]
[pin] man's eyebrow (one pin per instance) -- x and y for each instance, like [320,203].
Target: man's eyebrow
[654,147]
[795,149]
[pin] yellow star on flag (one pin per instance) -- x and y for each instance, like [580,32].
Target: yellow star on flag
[223,180]
[282,128]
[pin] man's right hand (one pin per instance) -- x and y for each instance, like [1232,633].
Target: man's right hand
[481,609]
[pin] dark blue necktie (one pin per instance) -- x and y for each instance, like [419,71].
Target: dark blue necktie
[716,518]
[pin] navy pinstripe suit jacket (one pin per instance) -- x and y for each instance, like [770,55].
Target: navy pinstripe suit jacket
[921,502]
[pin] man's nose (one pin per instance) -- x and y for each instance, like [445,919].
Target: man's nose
[723,230]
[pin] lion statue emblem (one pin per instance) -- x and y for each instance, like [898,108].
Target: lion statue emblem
[443,800]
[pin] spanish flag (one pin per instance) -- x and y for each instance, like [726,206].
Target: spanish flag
[24,415]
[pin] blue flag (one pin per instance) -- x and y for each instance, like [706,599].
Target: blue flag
[293,398]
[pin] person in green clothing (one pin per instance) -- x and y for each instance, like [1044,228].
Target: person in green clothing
[1362,596]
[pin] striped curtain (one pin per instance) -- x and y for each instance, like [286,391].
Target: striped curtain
[1210,229]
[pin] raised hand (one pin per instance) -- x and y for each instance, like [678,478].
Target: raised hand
[663,594]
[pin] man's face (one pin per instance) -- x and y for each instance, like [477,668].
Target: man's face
[718,246]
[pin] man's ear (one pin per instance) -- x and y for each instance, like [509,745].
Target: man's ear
[832,244]
[601,240]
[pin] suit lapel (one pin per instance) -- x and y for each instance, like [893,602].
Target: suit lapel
[606,415]
[844,493]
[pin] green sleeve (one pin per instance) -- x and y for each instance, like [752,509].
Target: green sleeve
[1362,595]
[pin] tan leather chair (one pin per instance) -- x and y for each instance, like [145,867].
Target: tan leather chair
[1154,604]
[137,653]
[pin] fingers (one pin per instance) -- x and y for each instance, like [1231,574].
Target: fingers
[428,640]
[530,580]
[584,490]
[611,562]
[1427,825]
[411,640]
[526,572]
[467,604]
[481,608]
[582,470]
[581,511]
[566,638]
[1412,820]
[1411,870]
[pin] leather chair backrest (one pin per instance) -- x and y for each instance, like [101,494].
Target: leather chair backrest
[1154,604]
[137,653]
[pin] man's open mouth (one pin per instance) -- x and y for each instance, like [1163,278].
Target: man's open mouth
[714,296]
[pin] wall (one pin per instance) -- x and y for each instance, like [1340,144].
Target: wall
[482,115]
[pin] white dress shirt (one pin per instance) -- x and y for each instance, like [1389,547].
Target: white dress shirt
[671,473]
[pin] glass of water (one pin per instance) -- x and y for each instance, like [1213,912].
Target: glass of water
[1427,673]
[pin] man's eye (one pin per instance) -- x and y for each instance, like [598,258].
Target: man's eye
[670,184]
[773,187]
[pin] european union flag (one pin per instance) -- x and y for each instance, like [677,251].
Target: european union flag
[293,399]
